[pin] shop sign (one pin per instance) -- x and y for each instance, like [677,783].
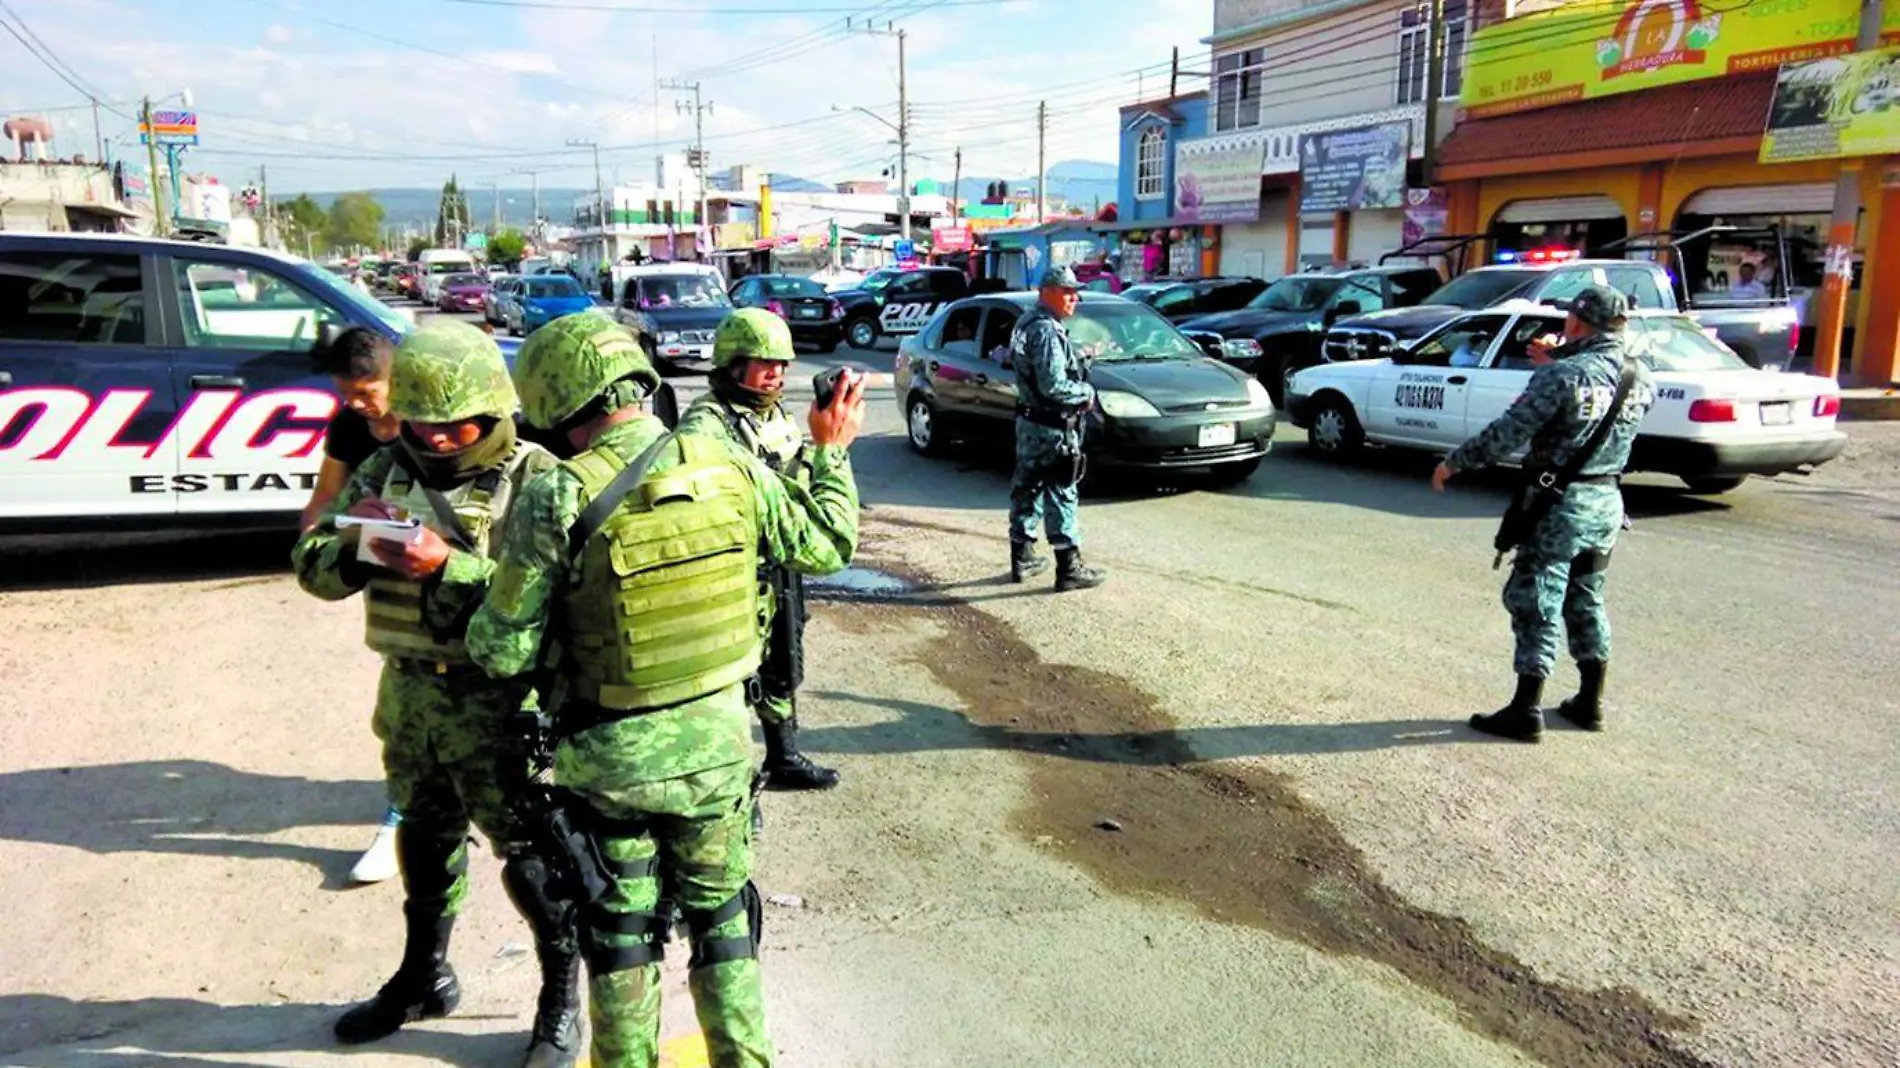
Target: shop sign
[1352,170]
[1835,108]
[955,237]
[1216,180]
[1582,51]
[1426,211]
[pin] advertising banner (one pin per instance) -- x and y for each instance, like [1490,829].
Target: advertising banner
[1832,108]
[951,237]
[170,128]
[1351,170]
[1426,211]
[1585,50]
[1218,183]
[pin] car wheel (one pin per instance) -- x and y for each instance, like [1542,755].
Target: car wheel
[922,426]
[1335,430]
[1711,486]
[1234,474]
[861,333]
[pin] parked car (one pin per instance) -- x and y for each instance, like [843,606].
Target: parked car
[409,281]
[898,302]
[537,300]
[462,293]
[679,305]
[814,316]
[1715,422]
[1160,403]
[498,290]
[1289,317]
[1187,298]
[1763,333]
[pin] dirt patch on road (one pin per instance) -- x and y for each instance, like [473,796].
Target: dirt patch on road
[1239,844]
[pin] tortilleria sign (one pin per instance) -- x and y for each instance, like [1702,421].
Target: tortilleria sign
[1585,50]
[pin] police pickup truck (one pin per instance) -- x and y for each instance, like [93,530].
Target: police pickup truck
[897,302]
[153,383]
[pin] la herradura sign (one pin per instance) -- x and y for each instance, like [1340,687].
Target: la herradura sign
[1584,50]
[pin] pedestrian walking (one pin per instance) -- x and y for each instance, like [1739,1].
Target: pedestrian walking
[631,573]
[1052,396]
[1579,415]
[449,752]
[744,401]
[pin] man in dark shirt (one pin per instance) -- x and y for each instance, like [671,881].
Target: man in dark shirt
[358,362]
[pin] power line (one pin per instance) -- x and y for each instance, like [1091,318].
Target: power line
[585,5]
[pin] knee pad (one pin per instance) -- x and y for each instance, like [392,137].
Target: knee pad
[708,951]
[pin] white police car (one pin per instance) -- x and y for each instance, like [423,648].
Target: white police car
[1715,422]
[148,382]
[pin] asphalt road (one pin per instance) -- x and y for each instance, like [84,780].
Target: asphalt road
[1222,811]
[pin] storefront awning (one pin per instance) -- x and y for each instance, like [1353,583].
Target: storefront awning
[1711,117]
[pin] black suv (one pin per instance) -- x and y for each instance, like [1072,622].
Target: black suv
[1179,300]
[1290,316]
[898,302]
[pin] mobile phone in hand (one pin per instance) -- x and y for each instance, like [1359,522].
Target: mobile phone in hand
[824,385]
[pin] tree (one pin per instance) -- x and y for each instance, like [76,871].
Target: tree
[451,217]
[303,223]
[355,221]
[507,246]
[416,249]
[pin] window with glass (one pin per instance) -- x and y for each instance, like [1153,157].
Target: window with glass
[1415,51]
[959,331]
[227,306]
[1462,345]
[1237,89]
[71,298]
[683,291]
[1117,331]
[1150,163]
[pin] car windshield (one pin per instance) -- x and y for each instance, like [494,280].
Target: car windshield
[1480,289]
[682,291]
[1296,294]
[1145,292]
[1673,344]
[877,280]
[1112,332]
[793,287]
[447,267]
[326,284]
[553,286]
[463,280]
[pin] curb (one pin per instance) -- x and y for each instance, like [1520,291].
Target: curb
[1870,407]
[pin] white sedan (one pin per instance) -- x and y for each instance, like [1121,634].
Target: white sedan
[1715,422]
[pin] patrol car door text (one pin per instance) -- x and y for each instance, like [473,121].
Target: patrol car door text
[909,303]
[1420,397]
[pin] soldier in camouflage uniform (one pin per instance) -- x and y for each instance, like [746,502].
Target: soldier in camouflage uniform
[751,350]
[1052,395]
[449,750]
[1559,572]
[632,569]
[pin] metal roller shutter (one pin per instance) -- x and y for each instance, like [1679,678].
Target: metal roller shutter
[1812,199]
[1560,209]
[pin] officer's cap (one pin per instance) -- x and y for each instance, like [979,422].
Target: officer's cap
[1599,306]
[1060,278]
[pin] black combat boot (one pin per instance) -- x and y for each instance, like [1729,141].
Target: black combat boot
[788,769]
[1586,709]
[556,1040]
[1023,561]
[1073,574]
[423,987]
[1520,721]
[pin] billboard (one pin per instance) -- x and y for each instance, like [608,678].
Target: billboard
[1832,108]
[1351,170]
[1218,180]
[170,128]
[1585,50]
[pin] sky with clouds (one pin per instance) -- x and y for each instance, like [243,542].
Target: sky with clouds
[341,94]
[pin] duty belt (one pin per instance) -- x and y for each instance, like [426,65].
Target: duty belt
[1048,419]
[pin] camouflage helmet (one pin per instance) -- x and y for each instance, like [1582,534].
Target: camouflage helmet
[751,334]
[448,371]
[565,365]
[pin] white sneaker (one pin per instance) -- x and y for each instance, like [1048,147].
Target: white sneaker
[378,862]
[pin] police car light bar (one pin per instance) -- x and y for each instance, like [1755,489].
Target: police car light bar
[1538,255]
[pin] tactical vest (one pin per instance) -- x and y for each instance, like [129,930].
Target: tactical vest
[395,625]
[774,439]
[665,607]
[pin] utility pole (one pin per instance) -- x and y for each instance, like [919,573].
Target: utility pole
[534,181]
[151,158]
[903,121]
[495,187]
[263,199]
[697,159]
[600,195]
[98,142]
[1435,86]
[956,187]
[1842,228]
[1042,158]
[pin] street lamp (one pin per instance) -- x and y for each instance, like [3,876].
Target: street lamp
[901,129]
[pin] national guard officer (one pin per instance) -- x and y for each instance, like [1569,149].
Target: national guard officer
[633,571]
[1563,557]
[744,400]
[448,747]
[1052,396]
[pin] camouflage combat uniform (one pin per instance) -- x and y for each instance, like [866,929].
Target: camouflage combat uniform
[1052,393]
[1559,573]
[451,754]
[666,780]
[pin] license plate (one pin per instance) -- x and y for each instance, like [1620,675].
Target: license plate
[808,313]
[1215,436]
[1777,413]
